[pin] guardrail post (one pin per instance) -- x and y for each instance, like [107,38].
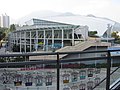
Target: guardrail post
[58,72]
[108,71]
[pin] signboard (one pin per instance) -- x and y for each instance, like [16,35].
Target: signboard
[66,78]
[48,80]
[82,86]
[82,74]
[90,85]
[39,80]
[74,76]
[17,79]
[90,72]
[28,79]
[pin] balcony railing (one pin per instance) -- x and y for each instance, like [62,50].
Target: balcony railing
[87,70]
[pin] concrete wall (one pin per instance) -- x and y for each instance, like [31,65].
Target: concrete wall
[87,55]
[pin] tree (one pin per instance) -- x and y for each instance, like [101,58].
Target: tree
[3,33]
[12,27]
[92,33]
[115,35]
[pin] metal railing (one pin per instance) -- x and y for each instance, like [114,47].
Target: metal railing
[59,62]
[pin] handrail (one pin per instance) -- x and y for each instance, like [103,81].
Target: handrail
[54,53]
[115,85]
[105,78]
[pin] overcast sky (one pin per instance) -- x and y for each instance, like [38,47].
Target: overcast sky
[103,8]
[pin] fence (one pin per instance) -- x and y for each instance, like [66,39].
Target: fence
[85,70]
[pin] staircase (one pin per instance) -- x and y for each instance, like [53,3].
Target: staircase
[82,46]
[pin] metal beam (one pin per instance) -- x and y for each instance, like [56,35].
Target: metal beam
[58,72]
[108,71]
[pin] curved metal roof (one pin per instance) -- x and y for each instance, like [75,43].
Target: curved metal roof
[95,24]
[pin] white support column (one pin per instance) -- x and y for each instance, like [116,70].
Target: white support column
[73,43]
[36,41]
[52,38]
[44,41]
[62,38]
[25,41]
[67,35]
[20,42]
[30,42]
